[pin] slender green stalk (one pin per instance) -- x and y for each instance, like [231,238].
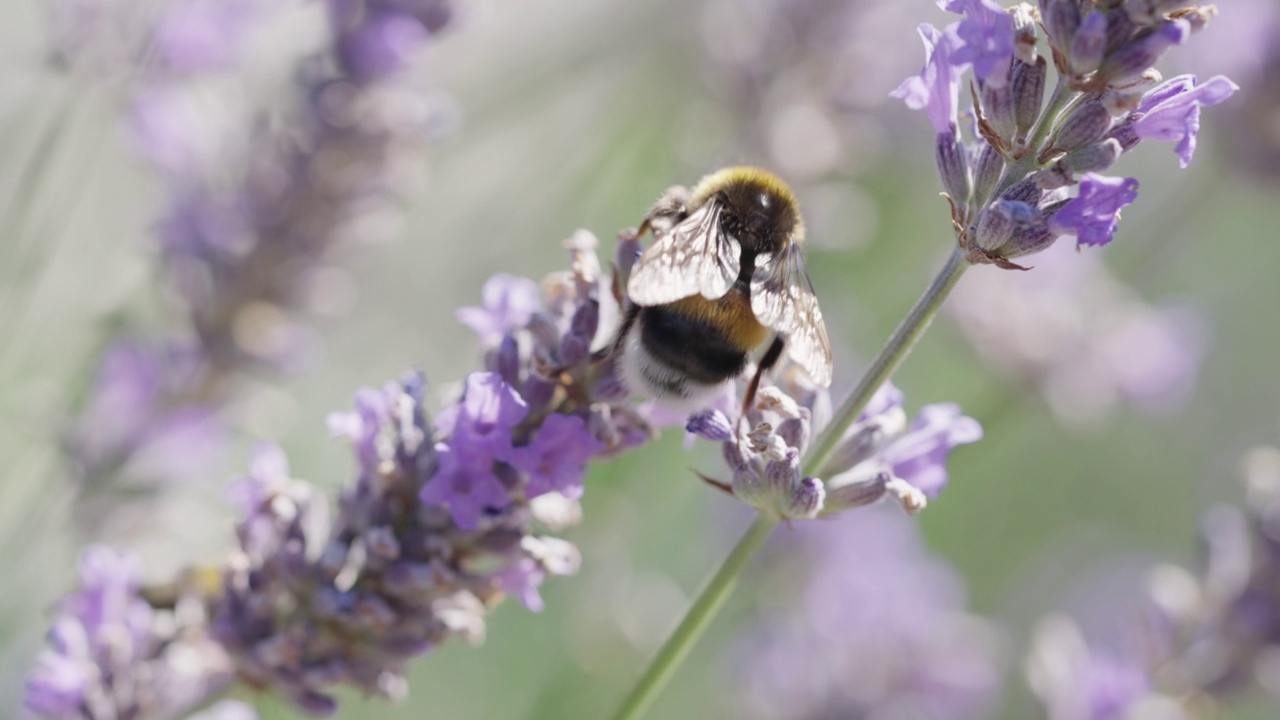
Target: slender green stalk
[886,362]
[717,590]
[709,602]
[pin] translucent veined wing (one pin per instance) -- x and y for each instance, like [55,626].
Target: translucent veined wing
[782,299]
[693,257]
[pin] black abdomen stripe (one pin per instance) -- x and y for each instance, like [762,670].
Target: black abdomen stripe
[692,347]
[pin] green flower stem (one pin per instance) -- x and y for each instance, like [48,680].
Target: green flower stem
[886,362]
[716,592]
[696,620]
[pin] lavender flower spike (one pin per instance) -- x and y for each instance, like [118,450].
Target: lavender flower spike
[1030,155]
[111,657]
[1093,215]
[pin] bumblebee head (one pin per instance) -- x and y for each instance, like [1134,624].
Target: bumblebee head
[757,208]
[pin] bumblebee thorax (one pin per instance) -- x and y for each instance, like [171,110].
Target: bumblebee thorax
[756,208]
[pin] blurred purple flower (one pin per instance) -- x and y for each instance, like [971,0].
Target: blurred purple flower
[1078,680]
[986,39]
[935,90]
[1093,215]
[1083,339]
[879,630]
[105,659]
[508,302]
[380,45]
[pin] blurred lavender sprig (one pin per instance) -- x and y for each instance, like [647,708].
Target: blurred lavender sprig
[1194,640]
[1009,181]
[879,630]
[265,187]
[1081,337]
[443,519]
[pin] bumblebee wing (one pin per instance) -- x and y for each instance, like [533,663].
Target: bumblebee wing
[782,298]
[693,257]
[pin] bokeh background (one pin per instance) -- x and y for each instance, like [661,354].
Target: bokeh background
[1119,388]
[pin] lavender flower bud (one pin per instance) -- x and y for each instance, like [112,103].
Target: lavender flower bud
[952,167]
[1088,124]
[855,489]
[711,424]
[999,220]
[908,496]
[1089,44]
[1024,33]
[987,173]
[782,475]
[1120,28]
[750,488]
[1028,240]
[1060,18]
[1024,191]
[804,501]
[1093,158]
[795,432]
[506,360]
[1028,82]
[998,108]
[1135,57]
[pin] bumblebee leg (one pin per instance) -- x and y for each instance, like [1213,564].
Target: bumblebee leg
[771,357]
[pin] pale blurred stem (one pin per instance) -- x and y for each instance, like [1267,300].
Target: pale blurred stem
[887,361]
[716,592]
[696,620]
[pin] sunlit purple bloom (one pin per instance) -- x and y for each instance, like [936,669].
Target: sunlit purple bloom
[986,36]
[879,630]
[466,483]
[507,302]
[556,458]
[920,455]
[1171,111]
[936,88]
[1092,216]
[489,410]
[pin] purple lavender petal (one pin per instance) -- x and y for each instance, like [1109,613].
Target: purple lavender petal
[522,580]
[1171,111]
[920,456]
[986,36]
[557,458]
[507,302]
[465,484]
[1093,215]
[936,89]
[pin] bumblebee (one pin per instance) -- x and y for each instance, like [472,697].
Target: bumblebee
[723,276]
